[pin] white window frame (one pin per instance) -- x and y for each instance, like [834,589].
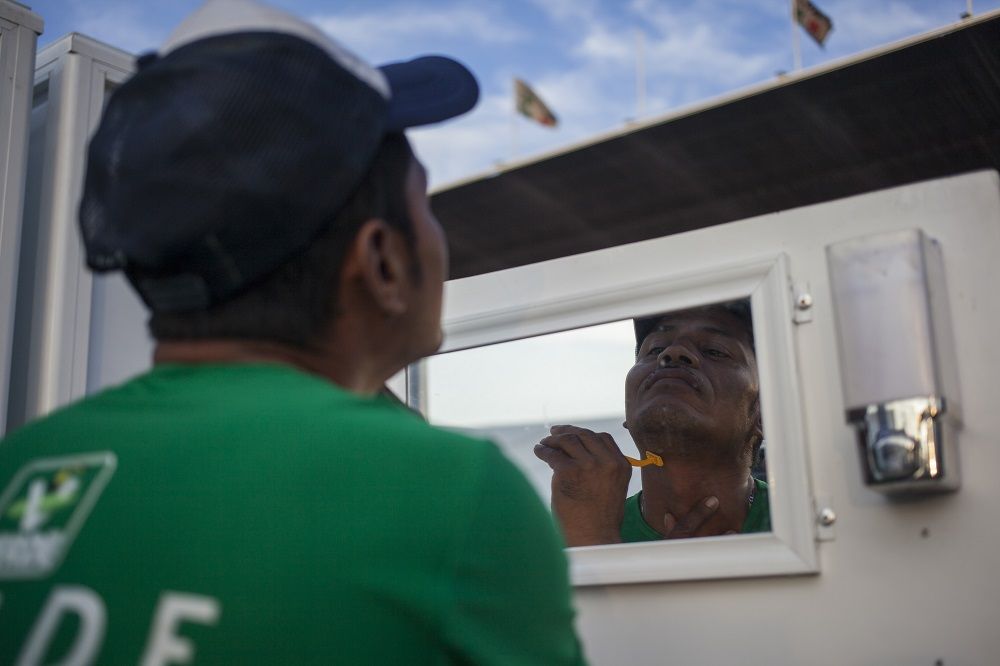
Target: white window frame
[643,279]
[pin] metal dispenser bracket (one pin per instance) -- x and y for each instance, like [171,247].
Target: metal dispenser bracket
[897,363]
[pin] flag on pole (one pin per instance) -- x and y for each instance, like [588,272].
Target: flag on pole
[815,22]
[529,104]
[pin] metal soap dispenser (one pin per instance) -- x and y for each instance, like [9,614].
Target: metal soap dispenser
[897,362]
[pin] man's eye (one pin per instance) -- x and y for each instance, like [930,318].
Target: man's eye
[655,351]
[716,353]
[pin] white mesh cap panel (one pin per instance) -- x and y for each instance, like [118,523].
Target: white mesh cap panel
[220,17]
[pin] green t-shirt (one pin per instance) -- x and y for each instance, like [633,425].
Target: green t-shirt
[255,514]
[635,528]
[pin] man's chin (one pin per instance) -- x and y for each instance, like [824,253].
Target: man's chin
[670,414]
[668,428]
[428,348]
[432,346]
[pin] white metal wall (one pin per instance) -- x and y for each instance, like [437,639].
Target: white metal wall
[19,30]
[73,333]
[901,582]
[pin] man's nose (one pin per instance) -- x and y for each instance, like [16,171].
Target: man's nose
[678,354]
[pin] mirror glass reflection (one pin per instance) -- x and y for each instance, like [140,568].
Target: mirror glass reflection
[637,430]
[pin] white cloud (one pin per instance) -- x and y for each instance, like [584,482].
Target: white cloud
[583,101]
[865,25]
[561,10]
[704,45]
[471,144]
[689,56]
[600,43]
[694,49]
[126,27]
[700,53]
[378,29]
[492,135]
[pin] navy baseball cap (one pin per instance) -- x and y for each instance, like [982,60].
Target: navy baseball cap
[235,145]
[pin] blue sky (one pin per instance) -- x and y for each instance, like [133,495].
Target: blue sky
[580,55]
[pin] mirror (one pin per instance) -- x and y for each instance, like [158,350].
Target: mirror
[689,393]
[513,392]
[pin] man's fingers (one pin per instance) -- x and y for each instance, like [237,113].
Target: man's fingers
[580,446]
[669,522]
[692,520]
[569,430]
[553,457]
[571,445]
[587,438]
[611,446]
[599,444]
[588,484]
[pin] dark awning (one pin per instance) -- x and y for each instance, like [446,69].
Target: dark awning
[927,110]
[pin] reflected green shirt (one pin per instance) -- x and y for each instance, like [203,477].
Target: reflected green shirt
[254,514]
[635,528]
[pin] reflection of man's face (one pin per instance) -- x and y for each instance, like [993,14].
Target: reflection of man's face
[693,390]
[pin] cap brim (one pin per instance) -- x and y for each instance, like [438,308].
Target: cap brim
[428,90]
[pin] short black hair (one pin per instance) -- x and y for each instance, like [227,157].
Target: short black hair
[296,303]
[740,309]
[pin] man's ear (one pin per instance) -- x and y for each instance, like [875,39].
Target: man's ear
[380,260]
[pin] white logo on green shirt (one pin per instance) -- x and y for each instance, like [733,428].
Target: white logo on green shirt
[44,507]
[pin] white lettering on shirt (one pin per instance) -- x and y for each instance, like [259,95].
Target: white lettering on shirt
[32,552]
[165,645]
[67,599]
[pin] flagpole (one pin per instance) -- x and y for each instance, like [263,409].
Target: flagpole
[640,74]
[968,4]
[513,122]
[796,46]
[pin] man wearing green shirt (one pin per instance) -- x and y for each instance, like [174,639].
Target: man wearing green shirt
[253,498]
[692,407]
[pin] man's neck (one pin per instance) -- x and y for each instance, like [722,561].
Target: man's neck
[353,372]
[679,486]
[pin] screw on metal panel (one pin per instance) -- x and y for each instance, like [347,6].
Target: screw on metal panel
[827,517]
[925,533]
